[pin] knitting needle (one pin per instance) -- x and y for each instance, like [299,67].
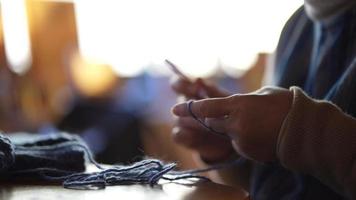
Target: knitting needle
[179,73]
[201,92]
[201,95]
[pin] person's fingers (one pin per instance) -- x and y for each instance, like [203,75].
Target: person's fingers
[218,124]
[188,122]
[212,107]
[187,137]
[196,90]
[211,90]
[184,87]
[208,146]
[197,139]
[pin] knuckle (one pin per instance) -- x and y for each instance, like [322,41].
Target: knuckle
[265,88]
[249,100]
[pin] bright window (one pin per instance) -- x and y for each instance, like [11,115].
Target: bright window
[195,34]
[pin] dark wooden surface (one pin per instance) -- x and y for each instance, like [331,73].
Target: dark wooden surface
[198,191]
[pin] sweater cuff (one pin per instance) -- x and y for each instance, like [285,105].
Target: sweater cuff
[292,133]
[318,138]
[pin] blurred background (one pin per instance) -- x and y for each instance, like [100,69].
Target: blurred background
[95,68]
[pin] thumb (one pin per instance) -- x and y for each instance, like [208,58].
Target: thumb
[211,107]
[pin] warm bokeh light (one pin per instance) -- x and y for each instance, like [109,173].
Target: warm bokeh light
[92,78]
[197,35]
[131,35]
[16,35]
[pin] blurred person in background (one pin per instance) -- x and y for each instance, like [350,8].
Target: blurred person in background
[292,144]
[111,131]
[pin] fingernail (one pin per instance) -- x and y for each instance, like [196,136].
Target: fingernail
[177,109]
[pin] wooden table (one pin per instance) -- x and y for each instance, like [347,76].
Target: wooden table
[169,191]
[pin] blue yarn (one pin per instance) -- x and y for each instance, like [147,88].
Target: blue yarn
[147,172]
[7,157]
[201,122]
[144,172]
[55,154]
[62,159]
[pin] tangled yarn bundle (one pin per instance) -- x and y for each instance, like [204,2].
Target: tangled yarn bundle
[7,155]
[54,155]
[63,157]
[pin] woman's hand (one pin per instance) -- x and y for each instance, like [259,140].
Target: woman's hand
[251,120]
[198,89]
[191,134]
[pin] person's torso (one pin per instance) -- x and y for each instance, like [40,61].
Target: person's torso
[333,78]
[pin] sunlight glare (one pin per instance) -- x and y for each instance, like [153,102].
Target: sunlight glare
[16,35]
[196,35]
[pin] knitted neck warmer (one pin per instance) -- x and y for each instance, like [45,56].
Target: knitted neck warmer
[319,10]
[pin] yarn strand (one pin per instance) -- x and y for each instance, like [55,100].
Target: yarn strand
[45,160]
[202,123]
